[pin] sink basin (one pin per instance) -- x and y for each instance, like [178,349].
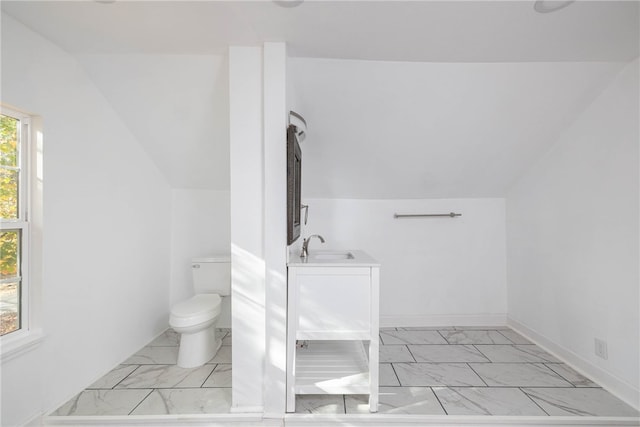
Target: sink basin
[332,256]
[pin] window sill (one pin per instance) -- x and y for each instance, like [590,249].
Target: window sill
[12,347]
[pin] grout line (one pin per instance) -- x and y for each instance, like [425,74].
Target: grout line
[438,399]
[533,400]
[127,376]
[443,337]
[506,337]
[551,371]
[411,353]
[396,374]
[483,355]
[474,371]
[210,373]
[139,403]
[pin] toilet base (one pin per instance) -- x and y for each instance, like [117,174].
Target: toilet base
[198,348]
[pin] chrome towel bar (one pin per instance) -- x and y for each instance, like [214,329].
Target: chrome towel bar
[450,214]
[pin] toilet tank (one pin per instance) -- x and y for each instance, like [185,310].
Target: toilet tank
[212,275]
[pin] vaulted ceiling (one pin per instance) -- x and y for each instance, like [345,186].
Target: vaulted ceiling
[404,99]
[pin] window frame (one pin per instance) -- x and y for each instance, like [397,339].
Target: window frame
[24,338]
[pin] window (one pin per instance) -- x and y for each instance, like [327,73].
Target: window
[14,233]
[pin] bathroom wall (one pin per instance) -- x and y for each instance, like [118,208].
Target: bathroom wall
[572,239]
[388,137]
[200,227]
[106,245]
[435,271]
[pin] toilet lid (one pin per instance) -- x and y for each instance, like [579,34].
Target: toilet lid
[197,305]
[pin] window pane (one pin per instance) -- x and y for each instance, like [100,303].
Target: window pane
[10,254]
[10,290]
[8,193]
[9,140]
[9,307]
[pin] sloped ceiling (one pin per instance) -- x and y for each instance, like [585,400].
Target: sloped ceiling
[383,130]
[414,99]
[178,108]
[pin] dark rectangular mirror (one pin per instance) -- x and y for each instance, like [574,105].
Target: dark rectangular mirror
[294,180]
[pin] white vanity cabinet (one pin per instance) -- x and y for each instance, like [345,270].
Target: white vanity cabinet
[332,325]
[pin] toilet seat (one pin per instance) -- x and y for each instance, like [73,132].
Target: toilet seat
[197,309]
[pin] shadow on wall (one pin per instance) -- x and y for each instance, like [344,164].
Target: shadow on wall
[248,326]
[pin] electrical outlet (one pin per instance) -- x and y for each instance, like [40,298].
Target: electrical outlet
[601,349]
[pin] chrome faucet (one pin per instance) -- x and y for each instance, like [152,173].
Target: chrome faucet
[305,245]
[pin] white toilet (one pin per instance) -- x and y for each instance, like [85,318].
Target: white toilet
[195,319]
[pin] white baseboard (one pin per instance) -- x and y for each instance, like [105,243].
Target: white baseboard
[616,386]
[209,420]
[399,420]
[493,320]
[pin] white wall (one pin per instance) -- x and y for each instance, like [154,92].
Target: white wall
[257,93]
[275,231]
[572,228]
[247,227]
[106,216]
[435,271]
[200,222]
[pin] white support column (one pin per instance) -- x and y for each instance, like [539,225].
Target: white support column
[275,219]
[247,227]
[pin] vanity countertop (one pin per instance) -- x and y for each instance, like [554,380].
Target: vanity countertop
[333,258]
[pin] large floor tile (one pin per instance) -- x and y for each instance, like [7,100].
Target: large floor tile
[395,353]
[103,402]
[387,376]
[168,338]
[446,353]
[411,337]
[111,379]
[475,337]
[516,353]
[166,376]
[397,400]
[186,401]
[220,377]
[480,328]
[320,404]
[571,375]
[223,355]
[518,375]
[515,337]
[154,356]
[486,401]
[580,401]
[436,374]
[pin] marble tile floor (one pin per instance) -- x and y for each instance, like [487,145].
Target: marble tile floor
[472,371]
[150,383]
[423,371]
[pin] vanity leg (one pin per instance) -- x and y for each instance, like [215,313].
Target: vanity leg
[374,344]
[291,342]
[373,375]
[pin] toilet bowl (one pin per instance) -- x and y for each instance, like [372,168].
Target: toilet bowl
[195,318]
